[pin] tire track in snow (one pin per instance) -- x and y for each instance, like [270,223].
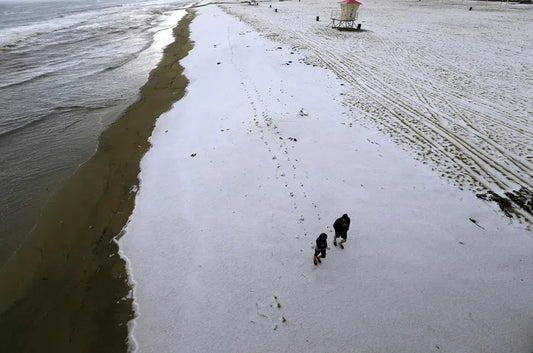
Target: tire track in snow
[408,116]
[413,109]
[423,101]
[490,171]
[472,129]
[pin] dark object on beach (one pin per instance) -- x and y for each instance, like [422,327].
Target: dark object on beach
[341,226]
[359,26]
[193,155]
[275,10]
[348,29]
[523,198]
[476,223]
[317,18]
[470,9]
[320,248]
[505,204]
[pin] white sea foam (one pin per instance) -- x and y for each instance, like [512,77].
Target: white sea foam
[67,70]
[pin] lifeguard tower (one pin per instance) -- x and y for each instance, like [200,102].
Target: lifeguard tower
[347,15]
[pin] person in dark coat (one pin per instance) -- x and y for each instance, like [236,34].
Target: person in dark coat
[341,227]
[320,248]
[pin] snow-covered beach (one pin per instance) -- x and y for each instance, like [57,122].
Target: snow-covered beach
[265,152]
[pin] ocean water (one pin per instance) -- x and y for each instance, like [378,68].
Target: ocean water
[67,70]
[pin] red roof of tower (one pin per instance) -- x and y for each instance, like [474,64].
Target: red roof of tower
[351,2]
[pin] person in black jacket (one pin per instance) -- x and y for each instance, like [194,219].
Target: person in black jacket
[320,248]
[341,227]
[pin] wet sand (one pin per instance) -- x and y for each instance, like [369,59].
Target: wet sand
[66,289]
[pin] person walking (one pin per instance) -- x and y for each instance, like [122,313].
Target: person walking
[320,248]
[341,227]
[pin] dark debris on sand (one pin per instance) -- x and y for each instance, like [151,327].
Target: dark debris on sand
[521,198]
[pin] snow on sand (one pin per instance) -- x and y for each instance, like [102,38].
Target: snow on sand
[453,86]
[259,158]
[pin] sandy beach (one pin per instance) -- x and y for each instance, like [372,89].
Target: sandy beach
[66,288]
[261,126]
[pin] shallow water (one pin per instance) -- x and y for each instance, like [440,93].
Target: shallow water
[67,70]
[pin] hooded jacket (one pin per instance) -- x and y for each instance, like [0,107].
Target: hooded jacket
[321,241]
[342,225]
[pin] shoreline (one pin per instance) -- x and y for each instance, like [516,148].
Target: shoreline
[68,287]
[226,223]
